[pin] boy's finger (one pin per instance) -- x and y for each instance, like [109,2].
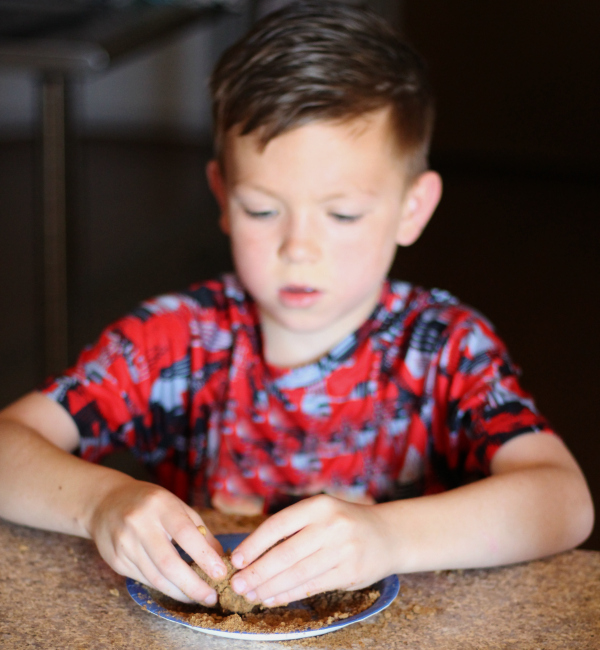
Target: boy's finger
[168,588]
[203,549]
[317,585]
[211,540]
[204,531]
[164,586]
[166,577]
[288,558]
[281,525]
[169,573]
[282,590]
[324,570]
[302,579]
[215,544]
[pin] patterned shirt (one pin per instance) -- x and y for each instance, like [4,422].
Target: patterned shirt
[416,401]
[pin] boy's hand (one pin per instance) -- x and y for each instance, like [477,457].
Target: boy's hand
[331,544]
[133,527]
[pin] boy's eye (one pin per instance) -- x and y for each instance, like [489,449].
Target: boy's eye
[345,217]
[259,214]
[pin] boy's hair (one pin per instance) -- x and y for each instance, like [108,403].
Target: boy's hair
[322,61]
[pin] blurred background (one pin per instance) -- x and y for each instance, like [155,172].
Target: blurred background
[516,234]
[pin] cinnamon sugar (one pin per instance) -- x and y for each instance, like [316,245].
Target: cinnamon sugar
[309,614]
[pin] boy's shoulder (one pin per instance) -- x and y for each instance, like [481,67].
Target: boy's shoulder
[206,299]
[410,301]
[426,320]
[416,296]
[205,315]
[219,293]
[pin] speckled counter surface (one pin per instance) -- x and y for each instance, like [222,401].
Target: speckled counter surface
[56,592]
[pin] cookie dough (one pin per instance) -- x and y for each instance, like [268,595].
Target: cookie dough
[228,599]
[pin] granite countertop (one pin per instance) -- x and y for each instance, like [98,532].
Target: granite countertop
[56,592]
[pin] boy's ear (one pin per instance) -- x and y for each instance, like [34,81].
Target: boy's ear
[216,182]
[420,203]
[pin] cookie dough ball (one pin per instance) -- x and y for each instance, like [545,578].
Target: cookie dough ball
[228,599]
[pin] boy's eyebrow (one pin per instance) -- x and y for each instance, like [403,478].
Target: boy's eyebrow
[256,188]
[341,195]
[328,197]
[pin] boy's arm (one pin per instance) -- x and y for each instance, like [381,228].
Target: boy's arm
[132,522]
[536,503]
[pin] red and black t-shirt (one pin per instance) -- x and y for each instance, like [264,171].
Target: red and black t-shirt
[417,400]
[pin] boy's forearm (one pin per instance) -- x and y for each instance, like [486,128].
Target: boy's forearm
[131,522]
[506,518]
[45,487]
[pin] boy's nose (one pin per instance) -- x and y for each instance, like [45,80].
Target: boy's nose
[299,243]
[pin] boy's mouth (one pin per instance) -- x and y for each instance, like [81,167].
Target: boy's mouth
[298,296]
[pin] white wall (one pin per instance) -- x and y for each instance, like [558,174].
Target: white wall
[164,87]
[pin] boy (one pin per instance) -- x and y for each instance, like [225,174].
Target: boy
[308,386]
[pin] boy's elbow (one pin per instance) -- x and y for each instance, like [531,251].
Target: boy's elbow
[582,515]
[587,519]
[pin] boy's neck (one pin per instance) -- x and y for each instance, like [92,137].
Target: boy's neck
[292,349]
[286,348]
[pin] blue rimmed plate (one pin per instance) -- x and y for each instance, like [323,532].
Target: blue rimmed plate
[388,589]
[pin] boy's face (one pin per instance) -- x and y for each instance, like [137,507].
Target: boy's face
[314,220]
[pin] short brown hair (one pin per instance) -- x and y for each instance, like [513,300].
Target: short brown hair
[322,60]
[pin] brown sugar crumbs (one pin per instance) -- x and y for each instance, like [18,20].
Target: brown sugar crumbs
[313,613]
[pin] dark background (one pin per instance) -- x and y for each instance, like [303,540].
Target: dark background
[516,234]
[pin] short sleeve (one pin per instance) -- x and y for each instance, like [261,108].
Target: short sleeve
[479,402]
[131,388]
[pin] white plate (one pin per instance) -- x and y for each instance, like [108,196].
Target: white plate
[388,589]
